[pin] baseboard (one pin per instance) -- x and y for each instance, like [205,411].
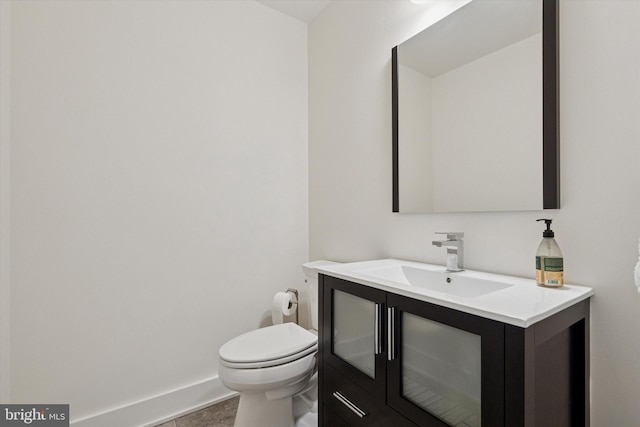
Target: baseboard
[158,409]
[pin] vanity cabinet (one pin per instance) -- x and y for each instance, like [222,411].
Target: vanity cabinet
[390,360]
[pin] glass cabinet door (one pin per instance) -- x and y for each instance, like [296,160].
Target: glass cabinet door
[352,343]
[354,331]
[444,365]
[441,370]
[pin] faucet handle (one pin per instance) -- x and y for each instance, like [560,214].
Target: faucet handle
[452,235]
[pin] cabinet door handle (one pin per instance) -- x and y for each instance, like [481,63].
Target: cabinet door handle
[377,330]
[346,402]
[391,348]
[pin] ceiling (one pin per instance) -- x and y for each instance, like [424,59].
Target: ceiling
[303,10]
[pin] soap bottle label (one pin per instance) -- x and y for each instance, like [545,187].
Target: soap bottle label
[550,271]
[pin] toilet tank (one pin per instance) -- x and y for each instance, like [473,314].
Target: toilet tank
[311,277]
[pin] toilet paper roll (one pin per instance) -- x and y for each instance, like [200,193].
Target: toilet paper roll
[283,305]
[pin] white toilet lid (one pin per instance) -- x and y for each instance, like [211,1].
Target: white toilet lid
[268,346]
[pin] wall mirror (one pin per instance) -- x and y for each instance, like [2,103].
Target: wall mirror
[475,111]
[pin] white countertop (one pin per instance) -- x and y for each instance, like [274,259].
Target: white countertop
[522,303]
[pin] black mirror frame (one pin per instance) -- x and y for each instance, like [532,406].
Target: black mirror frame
[550,112]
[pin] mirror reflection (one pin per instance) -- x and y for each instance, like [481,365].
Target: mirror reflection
[469,111]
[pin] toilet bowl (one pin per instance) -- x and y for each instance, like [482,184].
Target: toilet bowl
[268,367]
[273,367]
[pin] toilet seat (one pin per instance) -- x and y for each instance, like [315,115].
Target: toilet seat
[269,346]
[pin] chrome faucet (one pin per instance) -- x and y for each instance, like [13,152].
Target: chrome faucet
[455,249]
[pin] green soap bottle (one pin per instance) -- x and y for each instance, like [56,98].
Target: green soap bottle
[549,261]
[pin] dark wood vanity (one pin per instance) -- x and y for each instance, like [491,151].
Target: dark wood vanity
[391,360]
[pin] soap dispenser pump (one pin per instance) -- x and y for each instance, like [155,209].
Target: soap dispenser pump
[549,261]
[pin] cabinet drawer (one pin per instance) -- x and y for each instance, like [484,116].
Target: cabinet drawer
[330,419]
[354,406]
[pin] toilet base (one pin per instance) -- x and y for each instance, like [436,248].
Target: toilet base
[254,409]
[309,419]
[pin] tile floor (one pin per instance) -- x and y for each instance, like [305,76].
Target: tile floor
[222,414]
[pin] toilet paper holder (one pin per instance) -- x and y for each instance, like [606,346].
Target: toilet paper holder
[292,303]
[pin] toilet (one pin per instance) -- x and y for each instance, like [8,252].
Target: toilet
[274,368]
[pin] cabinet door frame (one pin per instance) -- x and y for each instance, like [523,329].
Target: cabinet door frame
[374,386]
[492,364]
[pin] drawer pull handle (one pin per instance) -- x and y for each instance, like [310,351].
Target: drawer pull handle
[346,402]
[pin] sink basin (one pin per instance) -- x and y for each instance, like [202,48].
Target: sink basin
[513,300]
[460,284]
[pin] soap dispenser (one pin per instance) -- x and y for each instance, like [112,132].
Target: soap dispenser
[549,261]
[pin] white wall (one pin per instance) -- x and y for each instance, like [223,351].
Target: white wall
[158,193]
[5,288]
[599,223]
